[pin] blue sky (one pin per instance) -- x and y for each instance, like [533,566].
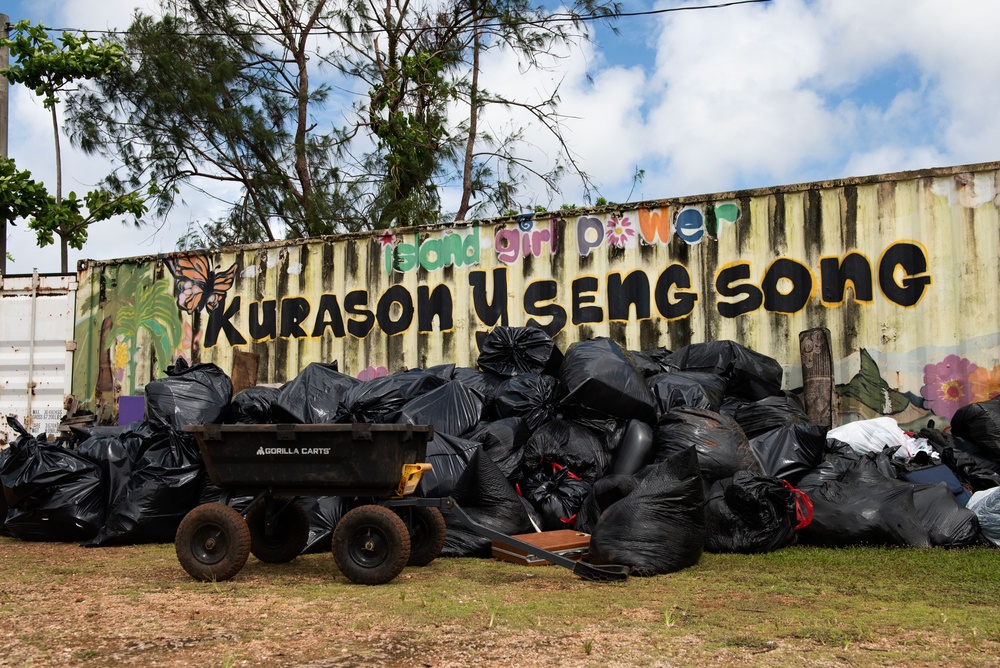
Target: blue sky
[787,91]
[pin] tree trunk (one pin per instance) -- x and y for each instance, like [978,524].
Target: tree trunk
[63,244]
[463,208]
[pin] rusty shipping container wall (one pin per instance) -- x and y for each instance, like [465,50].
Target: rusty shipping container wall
[902,269]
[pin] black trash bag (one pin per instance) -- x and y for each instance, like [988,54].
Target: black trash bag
[980,423]
[660,526]
[81,434]
[483,382]
[948,524]
[414,383]
[443,371]
[603,494]
[557,494]
[568,444]
[790,451]
[970,469]
[323,512]
[504,441]
[188,395]
[452,408]
[758,417]
[510,351]
[379,400]
[862,507]
[448,457]
[597,379]
[649,362]
[749,374]
[485,494]
[4,508]
[696,389]
[115,462]
[52,493]
[212,493]
[531,396]
[749,514]
[252,406]
[312,397]
[166,482]
[636,450]
[720,443]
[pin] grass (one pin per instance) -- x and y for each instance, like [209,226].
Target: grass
[798,606]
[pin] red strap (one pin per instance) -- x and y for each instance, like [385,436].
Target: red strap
[517,488]
[803,506]
[568,520]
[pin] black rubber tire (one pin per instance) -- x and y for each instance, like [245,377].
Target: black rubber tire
[371,545]
[212,542]
[427,533]
[290,535]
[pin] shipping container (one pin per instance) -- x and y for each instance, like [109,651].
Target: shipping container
[901,268]
[36,352]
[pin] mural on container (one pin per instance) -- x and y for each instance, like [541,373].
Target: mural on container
[651,273]
[114,312]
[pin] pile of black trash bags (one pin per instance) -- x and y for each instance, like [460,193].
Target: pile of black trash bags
[660,455]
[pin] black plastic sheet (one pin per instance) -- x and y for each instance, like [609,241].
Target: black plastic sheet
[695,389]
[790,451]
[557,494]
[948,523]
[860,506]
[312,397]
[52,493]
[188,395]
[720,443]
[568,444]
[452,408]
[252,406]
[660,526]
[749,514]
[750,375]
[531,396]
[758,417]
[486,495]
[165,483]
[980,423]
[510,351]
[379,400]
[504,441]
[603,494]
[597,379]
[448,457]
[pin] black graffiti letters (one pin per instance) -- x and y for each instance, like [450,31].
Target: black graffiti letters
[785,286]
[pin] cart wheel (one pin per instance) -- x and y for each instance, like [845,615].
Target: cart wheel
[289,534]
[212,542]
[427,533]
[371,545]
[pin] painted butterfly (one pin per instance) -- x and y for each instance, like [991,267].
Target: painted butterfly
[198,286]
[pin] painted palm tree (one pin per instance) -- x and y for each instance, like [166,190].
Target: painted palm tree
[117,305]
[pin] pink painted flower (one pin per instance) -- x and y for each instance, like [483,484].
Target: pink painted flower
[946,385]
[189,341]
[619,231]
[985,383]
[373,372]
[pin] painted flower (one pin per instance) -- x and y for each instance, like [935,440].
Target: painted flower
[947,386]
[373,372]
[619,231]
[387,239]
[120,360]
[985,383]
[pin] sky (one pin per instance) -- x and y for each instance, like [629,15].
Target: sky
[702,101]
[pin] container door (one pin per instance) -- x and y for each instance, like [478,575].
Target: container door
[36,350]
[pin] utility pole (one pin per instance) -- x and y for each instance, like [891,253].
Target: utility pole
[4,86]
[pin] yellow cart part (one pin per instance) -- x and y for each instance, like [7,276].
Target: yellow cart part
[411,478]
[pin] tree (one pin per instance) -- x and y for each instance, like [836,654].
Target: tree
[232,93]
[48,70]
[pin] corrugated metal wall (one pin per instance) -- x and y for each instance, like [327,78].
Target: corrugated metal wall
[904,266]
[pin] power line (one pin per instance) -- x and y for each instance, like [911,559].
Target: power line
[555,18]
